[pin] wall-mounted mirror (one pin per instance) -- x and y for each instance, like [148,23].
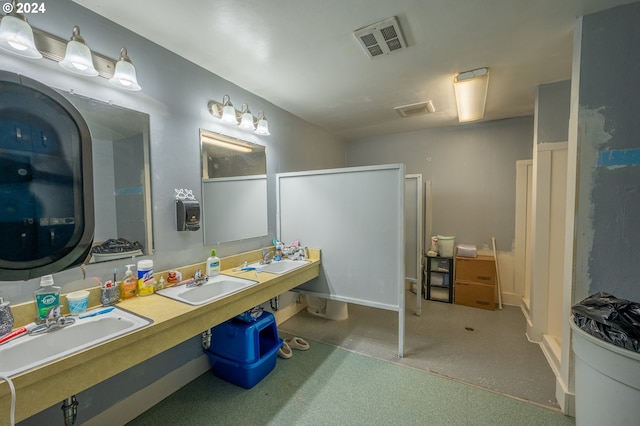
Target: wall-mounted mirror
[121,179]
[234,188]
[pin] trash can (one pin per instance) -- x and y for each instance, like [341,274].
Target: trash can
[607,361]
[607,381]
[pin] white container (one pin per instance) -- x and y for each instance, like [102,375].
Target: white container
[607,381]
[78,301]
[446,246]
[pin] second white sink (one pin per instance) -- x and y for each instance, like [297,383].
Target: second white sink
[215,288]
[280,266]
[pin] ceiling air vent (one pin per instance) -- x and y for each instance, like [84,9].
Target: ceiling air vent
[381,38]
[415,109]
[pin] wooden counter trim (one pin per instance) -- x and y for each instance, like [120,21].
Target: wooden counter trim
[173,323]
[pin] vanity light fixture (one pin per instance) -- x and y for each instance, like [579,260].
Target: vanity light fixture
[246,119]
[471,93]
[225,112]
[16,35]
[19,38]
[124,75]
[263,125]
[77,58]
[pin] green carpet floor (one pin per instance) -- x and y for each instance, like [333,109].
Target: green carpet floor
[331,386]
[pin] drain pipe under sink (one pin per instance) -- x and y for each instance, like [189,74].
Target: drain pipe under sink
[275,303]
[206,339]
[70,410]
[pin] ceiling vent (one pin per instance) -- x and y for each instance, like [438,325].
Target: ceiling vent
[381,38]
[415,109]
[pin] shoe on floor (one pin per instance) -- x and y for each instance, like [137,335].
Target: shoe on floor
[285,351]
[296,343]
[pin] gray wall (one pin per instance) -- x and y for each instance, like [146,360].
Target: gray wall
[607,225]
[472,169]
[175,94]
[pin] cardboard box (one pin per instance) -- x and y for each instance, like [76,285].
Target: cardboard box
[475,295]
[481,269]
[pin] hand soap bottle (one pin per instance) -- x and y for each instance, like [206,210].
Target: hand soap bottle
[47,297]
[213,264]
[129,284]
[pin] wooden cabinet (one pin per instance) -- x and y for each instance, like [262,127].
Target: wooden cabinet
[475,282]
[439,279]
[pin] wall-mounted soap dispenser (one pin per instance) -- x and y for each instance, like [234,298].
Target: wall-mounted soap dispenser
[188,215]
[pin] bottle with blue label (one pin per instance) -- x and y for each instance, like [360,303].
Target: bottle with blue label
[213,264]
[46,297]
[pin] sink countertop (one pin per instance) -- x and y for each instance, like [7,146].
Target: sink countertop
[173,323]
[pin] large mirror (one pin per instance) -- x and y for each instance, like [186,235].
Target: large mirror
[121,179]
[234,188]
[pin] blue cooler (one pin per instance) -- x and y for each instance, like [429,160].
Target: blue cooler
[243,353]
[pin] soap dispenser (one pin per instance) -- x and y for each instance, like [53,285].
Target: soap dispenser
[6,318]
[128,284]
[213,264]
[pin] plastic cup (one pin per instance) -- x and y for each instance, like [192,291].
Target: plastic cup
[78,301]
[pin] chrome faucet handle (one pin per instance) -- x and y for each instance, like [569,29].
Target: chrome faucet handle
[53,314]
[267,256]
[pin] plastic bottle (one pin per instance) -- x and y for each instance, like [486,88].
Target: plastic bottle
[146,284]
[128,285]
[46,297]
[213,264]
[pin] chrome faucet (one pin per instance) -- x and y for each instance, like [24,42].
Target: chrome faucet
[53,321]
[198,279]
[267,256]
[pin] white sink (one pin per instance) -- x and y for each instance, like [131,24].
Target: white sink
[27,352]
[280,266]
[215,288]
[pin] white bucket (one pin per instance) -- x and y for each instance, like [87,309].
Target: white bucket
[607,381]
[446,246]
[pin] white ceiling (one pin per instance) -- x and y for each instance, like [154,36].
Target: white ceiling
[302,56]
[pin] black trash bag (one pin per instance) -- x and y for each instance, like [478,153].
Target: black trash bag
[608,318]
[116,246]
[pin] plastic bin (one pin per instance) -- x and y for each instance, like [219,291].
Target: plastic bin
[446,246]
[244,353]
[242,374]
[245,342]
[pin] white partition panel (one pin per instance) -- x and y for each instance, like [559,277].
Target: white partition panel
[248,209]
[356,217]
